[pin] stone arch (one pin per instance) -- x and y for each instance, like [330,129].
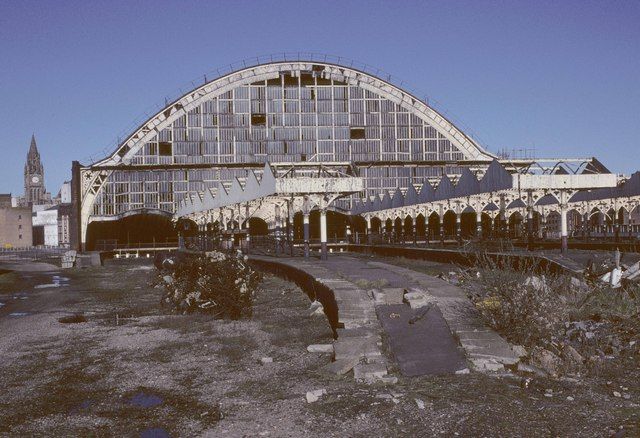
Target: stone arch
[449,222]
[434,226]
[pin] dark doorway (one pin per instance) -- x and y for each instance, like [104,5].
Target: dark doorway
[137,230]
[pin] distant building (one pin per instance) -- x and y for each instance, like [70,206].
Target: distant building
[45,225]
[15,224]
[48,218]
[35,192]
[634,220]
[64,195]
[6,201]
[64,224]
[51,225]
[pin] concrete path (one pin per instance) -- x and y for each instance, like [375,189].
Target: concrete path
[429,345]
[28,266]
[420,340]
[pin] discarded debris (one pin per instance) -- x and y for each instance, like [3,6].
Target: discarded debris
[538,283]
[320,348]
[546,360]
[519,350]
[420,315]
[416,299]
[314,396]
[340,366]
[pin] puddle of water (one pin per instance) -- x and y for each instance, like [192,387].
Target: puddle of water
[57,281]
[144,400]
[17,314]
[46,286]
[142,268]
[72,319]
[154,432]
[86,404]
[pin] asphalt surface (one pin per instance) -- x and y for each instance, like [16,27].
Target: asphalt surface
[420,340]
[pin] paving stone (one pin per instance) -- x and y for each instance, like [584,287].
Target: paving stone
[499,352]
[340,366]
[320,348]
[355,323]
[356,347]
[387,380]
[389,295]
[486,364]
[351,295]
[355,313]
[416,300]
[359,332]
[364,371]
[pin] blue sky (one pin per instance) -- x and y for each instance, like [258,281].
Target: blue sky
[561,77]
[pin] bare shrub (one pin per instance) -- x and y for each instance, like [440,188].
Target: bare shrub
[216,283]
[525,306]
[565,316]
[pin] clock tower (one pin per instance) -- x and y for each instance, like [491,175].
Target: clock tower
[34,190]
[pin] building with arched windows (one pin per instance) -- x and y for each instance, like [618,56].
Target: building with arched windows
[304,112]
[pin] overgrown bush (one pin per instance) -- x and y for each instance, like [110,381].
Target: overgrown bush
[526,307]
[555,312]
[217,283]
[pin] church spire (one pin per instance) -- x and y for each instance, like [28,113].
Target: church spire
[34,190]
[33,149]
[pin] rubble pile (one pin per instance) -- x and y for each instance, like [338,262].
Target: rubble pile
[562,326]
[217,283]
[612,271]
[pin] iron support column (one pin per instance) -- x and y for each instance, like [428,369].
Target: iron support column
[247,227]
[503,217]
[277,219]
[564,231]
[426,229]
[232,240]
[459,227]
[323,234]
[305,227]
[290,228]
[529,221]
[414,226]
[369,238]
[392,234]
[479,225]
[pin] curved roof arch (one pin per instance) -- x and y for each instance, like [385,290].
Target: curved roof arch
[216,87]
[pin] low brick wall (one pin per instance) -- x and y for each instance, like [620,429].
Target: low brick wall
[541,264]
[313,288]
